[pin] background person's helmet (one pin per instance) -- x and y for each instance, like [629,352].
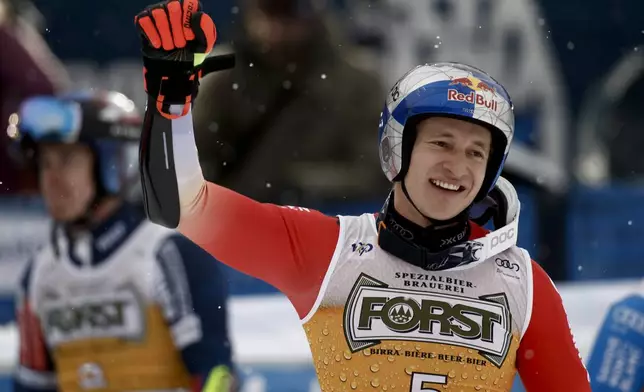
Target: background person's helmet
[449,90]
[106,121]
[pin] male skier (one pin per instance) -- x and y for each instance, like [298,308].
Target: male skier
[415,298]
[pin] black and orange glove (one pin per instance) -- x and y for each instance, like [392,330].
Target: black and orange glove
[176,38]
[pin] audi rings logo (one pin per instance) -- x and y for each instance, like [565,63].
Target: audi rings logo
[507,264]
[404,233]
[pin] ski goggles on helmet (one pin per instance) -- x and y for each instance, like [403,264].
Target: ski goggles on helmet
[49,119]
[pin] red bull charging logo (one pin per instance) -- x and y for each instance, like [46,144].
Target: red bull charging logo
[475,96]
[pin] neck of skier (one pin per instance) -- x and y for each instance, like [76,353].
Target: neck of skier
[103,210]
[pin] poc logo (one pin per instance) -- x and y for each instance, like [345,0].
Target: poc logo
[502,238]
[361,248]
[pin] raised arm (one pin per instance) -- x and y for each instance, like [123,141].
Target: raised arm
[288,247]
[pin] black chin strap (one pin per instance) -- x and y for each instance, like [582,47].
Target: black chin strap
[406,193]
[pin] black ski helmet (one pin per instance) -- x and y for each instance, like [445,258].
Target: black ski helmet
[106,121]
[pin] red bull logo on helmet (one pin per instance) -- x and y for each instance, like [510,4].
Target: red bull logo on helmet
[474,98]
[467,82]
[473,83]
[482,93]
[481,85]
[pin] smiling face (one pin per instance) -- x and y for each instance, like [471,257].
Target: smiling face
[447,168]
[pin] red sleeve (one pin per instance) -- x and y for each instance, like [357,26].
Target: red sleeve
[35,370]
[548,359]
[287,247]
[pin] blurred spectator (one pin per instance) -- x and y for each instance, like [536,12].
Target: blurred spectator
[294,122]
[27,67]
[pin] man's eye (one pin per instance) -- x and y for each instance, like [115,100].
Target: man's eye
[440,143]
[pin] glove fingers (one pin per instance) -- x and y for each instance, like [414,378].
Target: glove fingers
[163,27]
[209,30]
[145,24]
[174,14]
[205,32]
[189,8]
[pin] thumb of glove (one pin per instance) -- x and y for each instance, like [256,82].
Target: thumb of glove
[205,36]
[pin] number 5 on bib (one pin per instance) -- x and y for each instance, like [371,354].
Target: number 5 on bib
[419,379]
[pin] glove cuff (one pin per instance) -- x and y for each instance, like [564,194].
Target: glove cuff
[170,82]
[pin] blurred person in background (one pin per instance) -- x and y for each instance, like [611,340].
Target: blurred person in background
[292,122]
[27,67]
[616,363]
[113,302]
